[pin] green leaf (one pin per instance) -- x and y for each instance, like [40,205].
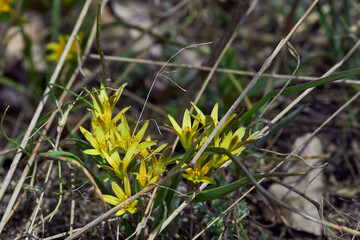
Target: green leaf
[222,191]
[295,89]
[67,155]
[9,139]
[78,97]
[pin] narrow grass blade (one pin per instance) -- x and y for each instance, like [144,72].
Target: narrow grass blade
[295,89]
[222,191]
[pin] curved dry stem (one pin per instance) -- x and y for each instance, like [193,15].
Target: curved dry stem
[156,77]
[217,70]
[86,172]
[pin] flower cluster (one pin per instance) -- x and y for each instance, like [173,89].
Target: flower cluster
[122,150]
[130,158]
[189,133]
[57,49]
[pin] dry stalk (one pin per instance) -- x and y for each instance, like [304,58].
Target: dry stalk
[217,70]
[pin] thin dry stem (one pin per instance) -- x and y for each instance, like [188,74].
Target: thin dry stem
[217,70]
[156,77]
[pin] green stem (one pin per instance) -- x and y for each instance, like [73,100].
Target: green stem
[98,43]
[60,193]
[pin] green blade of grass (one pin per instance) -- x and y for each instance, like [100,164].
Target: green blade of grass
[222,191]
[60,193]
[9,139]
[295,89]
[78,97]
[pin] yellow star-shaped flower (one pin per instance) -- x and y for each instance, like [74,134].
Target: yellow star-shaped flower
[5,6]
[121,196]
[198,172]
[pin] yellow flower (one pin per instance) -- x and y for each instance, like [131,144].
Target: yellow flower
[120,166]
[233,142]
[104,106]
[148,154]
[144,177]
[158,163]
[97,141]
[197,173]
[5,6]
[125,139]
[213,118]
[188,132]
[58,48]
[121,197]
[164,160]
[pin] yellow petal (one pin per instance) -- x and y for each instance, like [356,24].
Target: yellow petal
[127,186]
[175,125]
[226,140]
[124,129]
[100,136]
[118,116]
[111,199]
[142,168]
[120,212]
[240,133]
[92,152]
[117,190]
[112,162]
[141,133]
[200,114]
[52,46]
[215,112]
[207,180]
[89,137]
[129,155]
[189,171]
[186,124]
